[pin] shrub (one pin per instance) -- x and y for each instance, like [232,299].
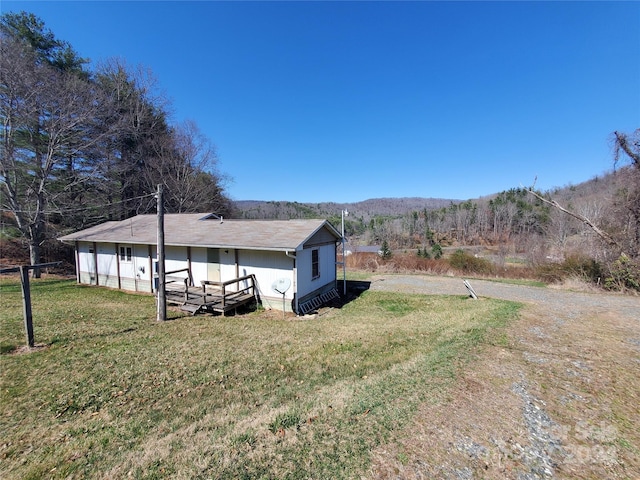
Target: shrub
[584,267]
[574,266]
[385,251]
[460,260]
[624,274]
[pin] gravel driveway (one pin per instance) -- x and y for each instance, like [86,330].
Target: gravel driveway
[561,400]
[563,302]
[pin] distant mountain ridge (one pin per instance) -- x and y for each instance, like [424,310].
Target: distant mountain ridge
[600,188]
[255,209]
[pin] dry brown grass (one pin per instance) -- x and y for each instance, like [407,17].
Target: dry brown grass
[411,263]
[117,394]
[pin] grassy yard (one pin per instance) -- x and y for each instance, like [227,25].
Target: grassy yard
[112,393]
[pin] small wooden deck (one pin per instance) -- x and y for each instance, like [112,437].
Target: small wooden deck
[212,297]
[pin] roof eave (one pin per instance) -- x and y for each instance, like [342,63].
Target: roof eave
[72,241]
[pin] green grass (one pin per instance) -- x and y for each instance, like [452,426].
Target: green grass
[518,281]
[115,393]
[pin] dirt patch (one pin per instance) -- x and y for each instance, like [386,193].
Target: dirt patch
[24,349]
[559,400]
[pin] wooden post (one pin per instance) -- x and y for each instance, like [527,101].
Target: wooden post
[162,293]
[26,302]
[26,294]
[189,266]
[236,255]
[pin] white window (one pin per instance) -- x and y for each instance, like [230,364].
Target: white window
[125,254]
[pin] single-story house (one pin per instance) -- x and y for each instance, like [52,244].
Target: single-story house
[297,254]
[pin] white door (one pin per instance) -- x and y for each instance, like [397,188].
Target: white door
[213,264]
[91,267]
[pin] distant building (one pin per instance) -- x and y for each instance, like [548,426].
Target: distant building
[351,249]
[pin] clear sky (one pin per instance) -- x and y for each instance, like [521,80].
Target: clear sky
[345,101]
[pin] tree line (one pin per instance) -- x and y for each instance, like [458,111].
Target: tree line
[527,220]
[519,220]
[84,145]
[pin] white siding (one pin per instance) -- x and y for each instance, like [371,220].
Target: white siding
[267,268]
[86,264]
[134,274]
[175,259]
[198,264]
[99,259]
[327,259]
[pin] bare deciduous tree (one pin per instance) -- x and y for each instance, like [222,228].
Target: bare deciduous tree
[629,194]
[49,118]
[186,164]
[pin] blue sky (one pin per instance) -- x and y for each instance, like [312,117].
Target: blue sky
[345,101]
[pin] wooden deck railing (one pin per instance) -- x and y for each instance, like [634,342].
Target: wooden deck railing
[222,286]
[219,297]
[188,280]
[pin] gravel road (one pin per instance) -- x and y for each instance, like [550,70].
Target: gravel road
[562,302]
[561,401]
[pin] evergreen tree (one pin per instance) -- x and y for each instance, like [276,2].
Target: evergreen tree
[385,251]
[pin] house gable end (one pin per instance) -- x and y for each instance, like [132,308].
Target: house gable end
[322,236]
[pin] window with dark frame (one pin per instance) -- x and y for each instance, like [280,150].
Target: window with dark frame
[315,264]
[125,254]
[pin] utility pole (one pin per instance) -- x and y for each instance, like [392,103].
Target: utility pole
[344,258]
[162,294]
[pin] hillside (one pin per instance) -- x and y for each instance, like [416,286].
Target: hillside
[366,209]
[599,188]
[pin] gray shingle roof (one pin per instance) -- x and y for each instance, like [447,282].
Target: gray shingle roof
[202,230]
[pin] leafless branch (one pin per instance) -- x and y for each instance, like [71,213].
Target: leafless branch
[598,231]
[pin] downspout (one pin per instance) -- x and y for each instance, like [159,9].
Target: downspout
[295,280]
[150,260]
[236,259]
[118,267]
[95,262]
[189,266]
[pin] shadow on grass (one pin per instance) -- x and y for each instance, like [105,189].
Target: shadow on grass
[355,288]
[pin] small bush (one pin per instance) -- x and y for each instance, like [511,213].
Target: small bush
[575,266]
[413,263]
[584,267]
[385,251]
[624,274]
[464,262]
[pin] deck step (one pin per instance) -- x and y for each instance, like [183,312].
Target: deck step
[193,309]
